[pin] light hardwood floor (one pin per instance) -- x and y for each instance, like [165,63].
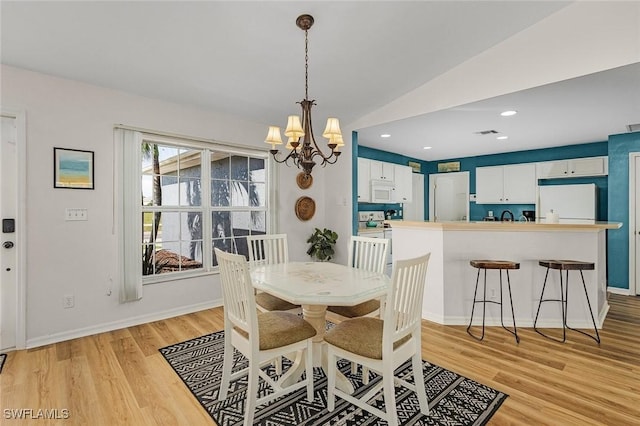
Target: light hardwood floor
[120,378]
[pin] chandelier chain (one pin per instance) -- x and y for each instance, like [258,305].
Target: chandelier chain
[306,64]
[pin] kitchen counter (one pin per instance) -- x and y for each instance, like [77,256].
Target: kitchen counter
[451,280]
[365,231]
[509,226]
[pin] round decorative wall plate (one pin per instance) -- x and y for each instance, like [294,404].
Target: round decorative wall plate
[304,181]
[305,208]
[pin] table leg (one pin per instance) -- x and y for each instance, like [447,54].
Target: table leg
[316,316]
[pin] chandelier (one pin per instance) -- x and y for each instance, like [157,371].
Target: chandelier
[301,144]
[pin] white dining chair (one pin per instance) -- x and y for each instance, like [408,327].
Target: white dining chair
[269,250]
[260,337]
[369,254]
[382,345]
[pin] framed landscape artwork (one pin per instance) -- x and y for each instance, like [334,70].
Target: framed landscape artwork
[72,168]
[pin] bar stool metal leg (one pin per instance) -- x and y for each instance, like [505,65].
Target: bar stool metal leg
[513,315]
[562,301]
[473,306]
[593,321]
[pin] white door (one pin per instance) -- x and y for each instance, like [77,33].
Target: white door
[415,209]
[449,196]
[8,252]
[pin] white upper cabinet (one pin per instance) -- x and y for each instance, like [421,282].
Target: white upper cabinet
[510,184]
[379,170]
[364,186]
[520,183]
[373,170]
[575,167]
[489,185]
[403,181]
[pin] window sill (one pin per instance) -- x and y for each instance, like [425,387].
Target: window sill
[174,276]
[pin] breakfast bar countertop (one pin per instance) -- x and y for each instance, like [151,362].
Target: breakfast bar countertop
[536,226]
[450,278]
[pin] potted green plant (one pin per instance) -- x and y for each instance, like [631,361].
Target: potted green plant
[322,243]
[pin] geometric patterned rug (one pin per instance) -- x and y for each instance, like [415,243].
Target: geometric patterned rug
[453,399]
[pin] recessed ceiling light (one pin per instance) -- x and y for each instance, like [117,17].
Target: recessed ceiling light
[385,135]
[508,113]
[427,147]
[502,137]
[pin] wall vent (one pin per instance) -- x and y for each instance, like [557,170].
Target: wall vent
[486,132]
[633,127]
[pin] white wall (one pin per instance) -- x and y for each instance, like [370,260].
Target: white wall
[81,258]
[583,38]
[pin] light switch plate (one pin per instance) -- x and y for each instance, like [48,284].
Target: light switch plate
[75,214]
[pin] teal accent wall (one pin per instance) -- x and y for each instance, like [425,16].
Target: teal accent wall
[479,211]
[618,239]
[354,182]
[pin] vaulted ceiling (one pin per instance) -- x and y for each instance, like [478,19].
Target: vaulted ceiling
[428,73]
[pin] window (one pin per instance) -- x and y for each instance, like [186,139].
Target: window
[184,197]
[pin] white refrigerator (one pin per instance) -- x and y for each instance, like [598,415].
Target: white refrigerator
[573,203]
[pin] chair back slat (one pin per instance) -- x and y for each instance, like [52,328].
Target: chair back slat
[268,249]
[237,292]
[368,253]
[403,310]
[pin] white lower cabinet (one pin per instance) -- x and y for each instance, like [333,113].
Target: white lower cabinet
[510,184]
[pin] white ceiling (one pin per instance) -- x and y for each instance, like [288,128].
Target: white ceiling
[247,58]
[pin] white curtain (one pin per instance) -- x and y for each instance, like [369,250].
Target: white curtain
[129,153]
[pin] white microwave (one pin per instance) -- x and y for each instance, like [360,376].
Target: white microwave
[382,191]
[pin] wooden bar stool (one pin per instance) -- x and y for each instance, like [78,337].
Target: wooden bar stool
[566,265]
[499,265]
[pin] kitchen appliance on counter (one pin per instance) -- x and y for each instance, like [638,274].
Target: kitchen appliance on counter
[365,219]
[489,217]
[572,203]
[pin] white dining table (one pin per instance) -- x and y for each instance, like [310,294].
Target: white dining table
[314,286]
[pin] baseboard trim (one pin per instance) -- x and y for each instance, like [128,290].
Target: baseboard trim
[117,325]
[520,322]
[433,318]
[618,290]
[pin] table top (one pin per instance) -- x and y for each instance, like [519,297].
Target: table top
[319,283]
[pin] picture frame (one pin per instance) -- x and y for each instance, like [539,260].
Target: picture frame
[452,166]
[73,168]
[415,166]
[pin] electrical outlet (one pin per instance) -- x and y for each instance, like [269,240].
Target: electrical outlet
[68,301]
[493,294]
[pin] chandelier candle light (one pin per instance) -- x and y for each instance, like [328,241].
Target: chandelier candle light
[303,154]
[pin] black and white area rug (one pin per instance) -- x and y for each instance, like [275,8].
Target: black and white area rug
[453,399]
[3,358]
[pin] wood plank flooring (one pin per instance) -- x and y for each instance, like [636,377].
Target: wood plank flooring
[120,378]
